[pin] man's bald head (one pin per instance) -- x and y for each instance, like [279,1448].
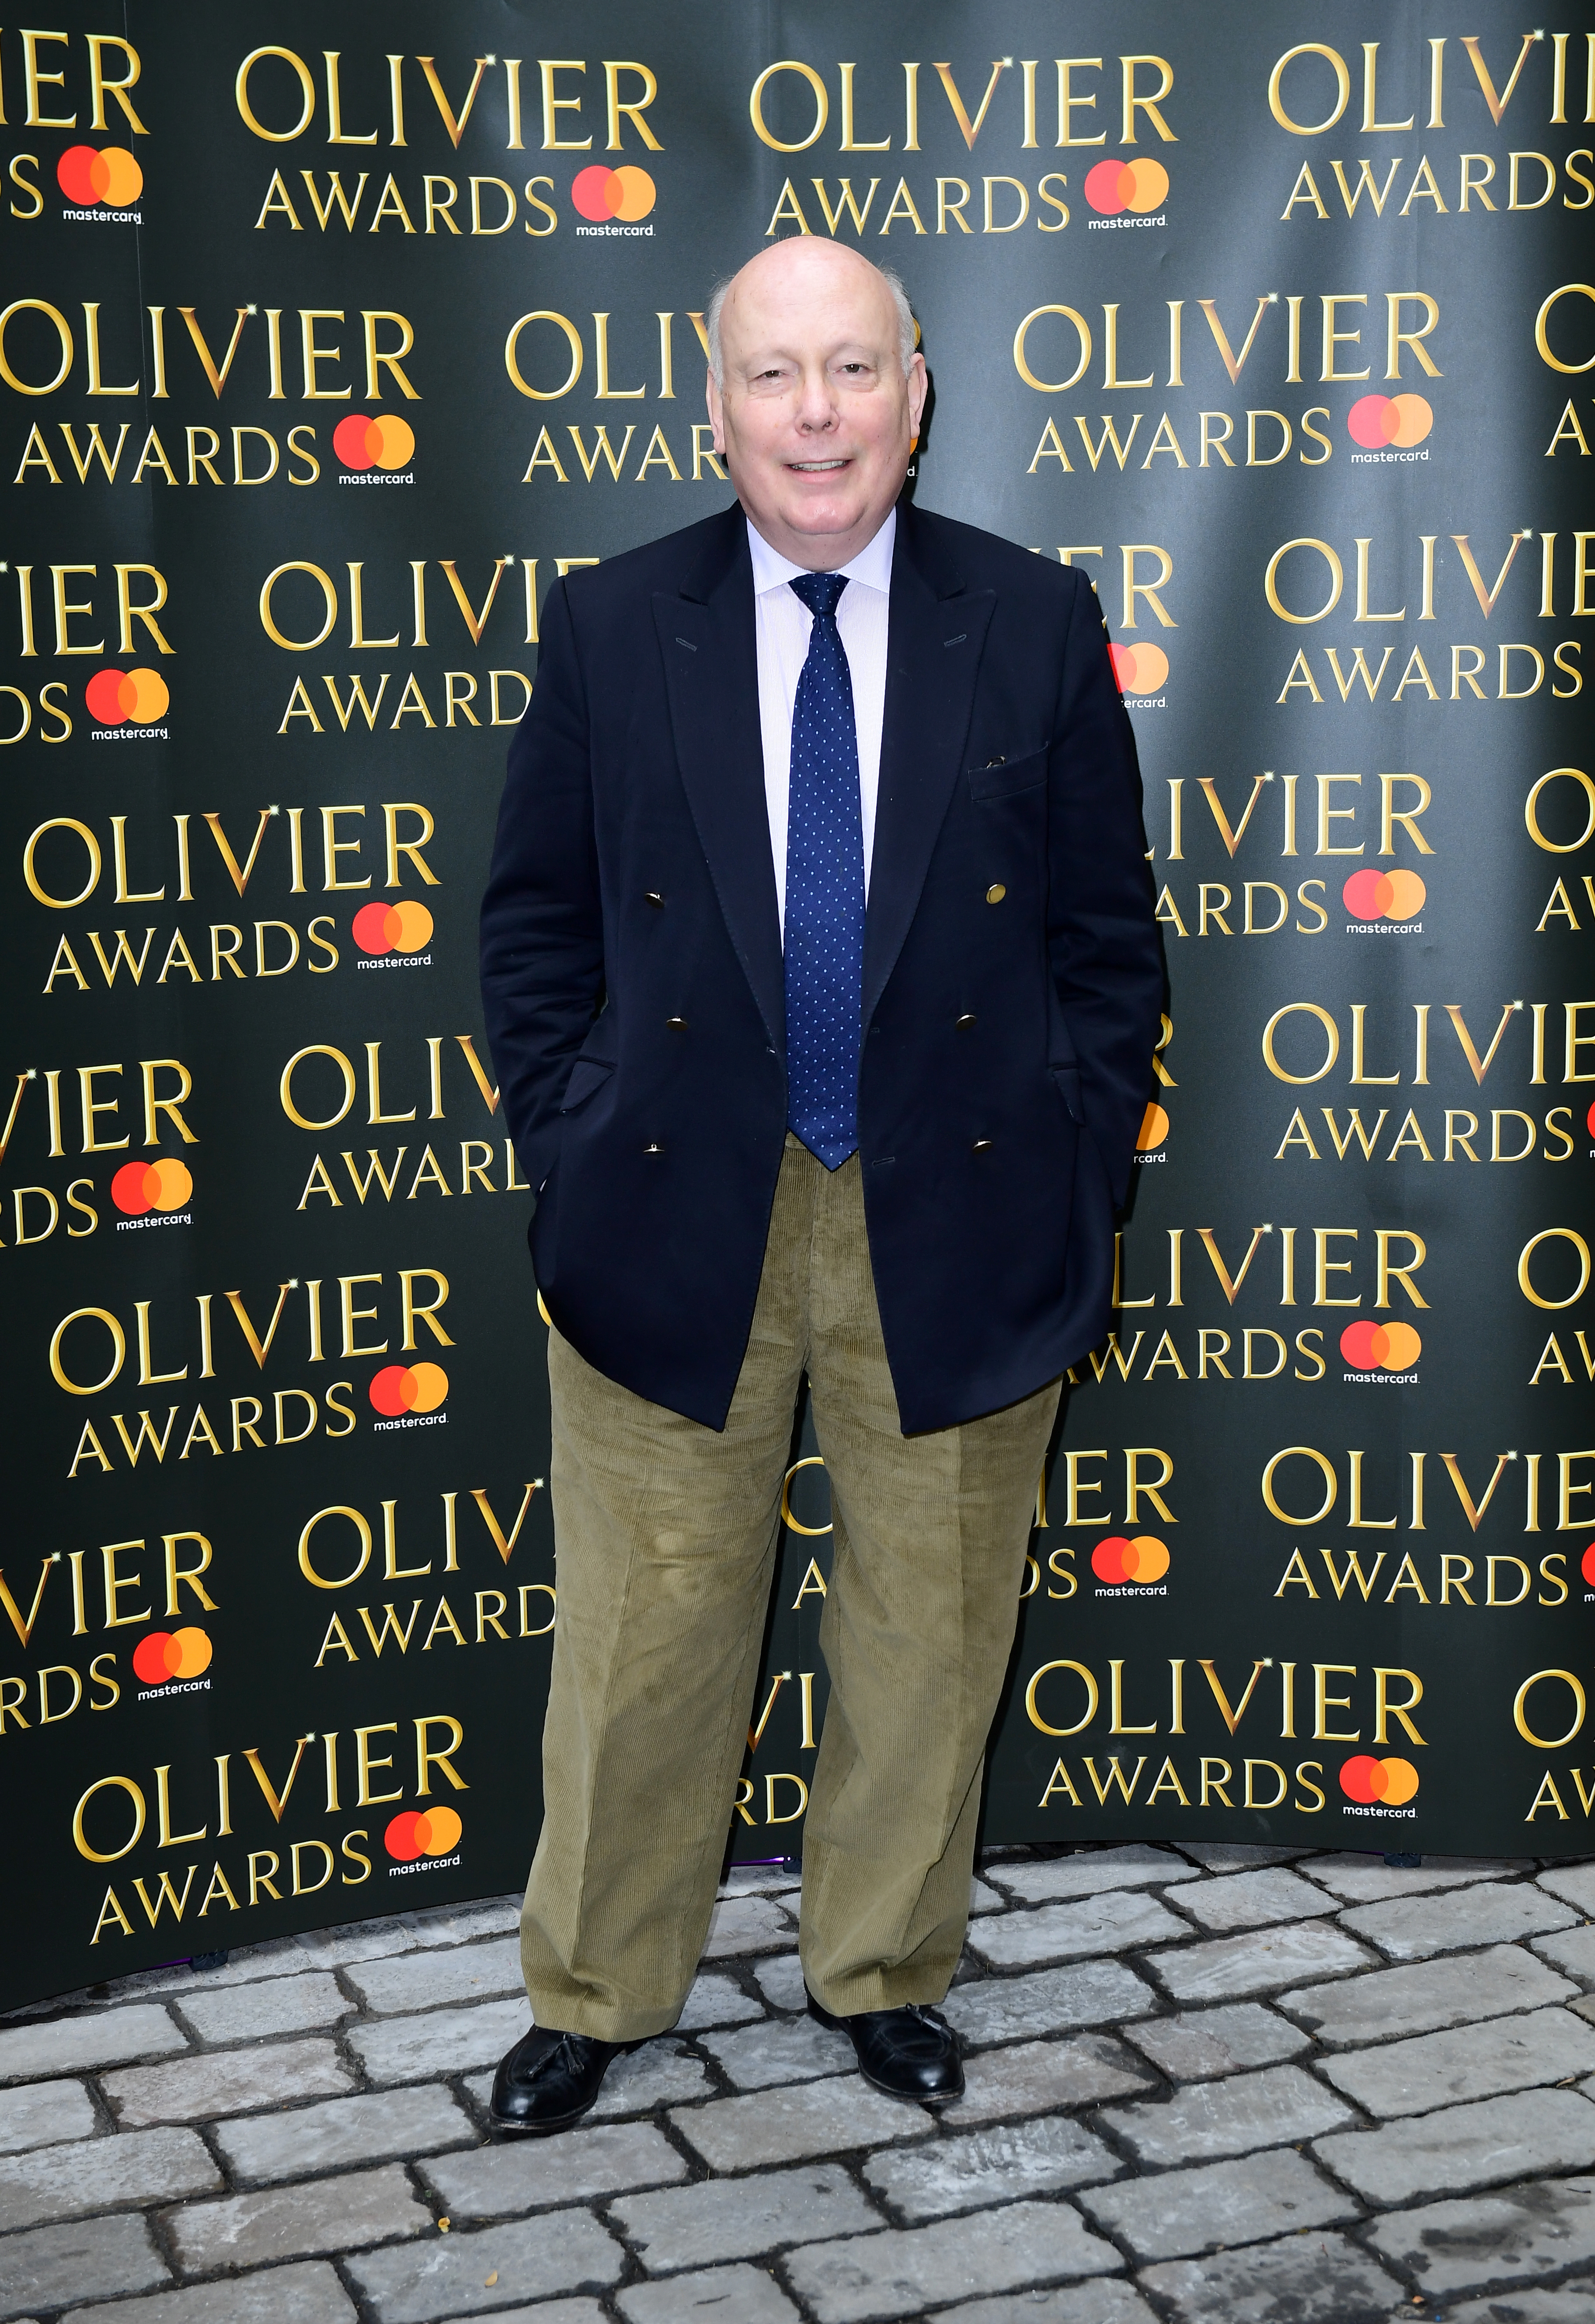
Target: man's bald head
[778,262]
[816,392]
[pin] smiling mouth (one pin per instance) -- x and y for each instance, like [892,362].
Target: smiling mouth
[815,467]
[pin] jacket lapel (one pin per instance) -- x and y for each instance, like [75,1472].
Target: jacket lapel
[935,636]
[708,642]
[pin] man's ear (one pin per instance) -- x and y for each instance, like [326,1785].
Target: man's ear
[716,412]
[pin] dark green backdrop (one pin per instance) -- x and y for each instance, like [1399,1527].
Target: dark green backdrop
[1302,375]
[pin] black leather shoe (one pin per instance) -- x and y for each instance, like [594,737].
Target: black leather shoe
[549,2081]
[910,2054]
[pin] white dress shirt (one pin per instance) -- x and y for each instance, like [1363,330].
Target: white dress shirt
[783,624]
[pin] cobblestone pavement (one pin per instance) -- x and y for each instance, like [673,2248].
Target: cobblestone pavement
[1255,2085]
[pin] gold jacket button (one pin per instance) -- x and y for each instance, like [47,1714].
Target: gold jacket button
[995,892]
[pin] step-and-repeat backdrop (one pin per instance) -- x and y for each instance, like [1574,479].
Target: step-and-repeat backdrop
[327,345]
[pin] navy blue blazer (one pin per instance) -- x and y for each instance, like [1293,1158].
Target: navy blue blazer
[632,985]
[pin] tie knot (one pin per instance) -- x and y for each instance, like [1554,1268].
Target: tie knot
[821,592]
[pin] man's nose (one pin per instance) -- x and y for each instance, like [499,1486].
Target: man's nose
[816,407]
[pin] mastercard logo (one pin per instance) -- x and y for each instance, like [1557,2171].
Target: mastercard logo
[141,1186]
[116,696]
[1140,670]
[1114,186]
[385,442]
[1365,1780]
[171,1653]
[626,193]
[111,176]
[1373,895]
[1376,419]
[1371,1347]
[1144,1559]
[392,927]
[409,1387]
[1152,1131]
[1587,1565]
[413,1834]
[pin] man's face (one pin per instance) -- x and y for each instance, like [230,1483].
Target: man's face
[817,419]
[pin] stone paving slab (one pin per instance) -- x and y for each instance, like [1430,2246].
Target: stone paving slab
[1090,1872]
[780,1979]
[535,2174]
[440,2041]
[1219,1855]
[87,2259]
[307,2293]
[716,2001]
[991,2166]
[784,2125]
[45,2113]
[424,1980]
[226,2081]
[1574,1883]
[1572,1950]
[1179,2213]
[1104,1924]
[1275,2107]
[1230,1968]
[329,2215]
[1413,1927]
[1202,2043]
[462,1924]
[1483,2146]
[757,2056]
[342,2134]
[877,2276]
[60,2182]
[1370,1880]
[466,2274]
[277,2004]
[1308,2279]
[747,1924]
[1574,2305]
[1049,2001]
[738,2294]
[1467,2061]
[1034,2077]
[1099,2299]
[1251,1900]
[1542,2228]
[724,2218]
[1462,1990]
[75,2045]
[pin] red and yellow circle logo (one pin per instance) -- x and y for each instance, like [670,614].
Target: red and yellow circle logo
[1365,1780]
[1401,419]
[1586,1564]
[409,1387]
[171,1653]
[111,176]
[626,193]
[141,1186]
[1373,895]
[437,1833]
[1144,1559]
[1140,670]
[384,442]
[114,697]
[381,928]
[1152,1131]
[1371,1347]
[1141,185]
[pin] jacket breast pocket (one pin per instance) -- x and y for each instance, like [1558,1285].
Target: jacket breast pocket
[1004,776]
[587,1076]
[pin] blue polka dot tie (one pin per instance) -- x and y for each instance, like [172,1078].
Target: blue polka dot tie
[825,922]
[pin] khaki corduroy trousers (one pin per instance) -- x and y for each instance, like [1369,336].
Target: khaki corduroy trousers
[666,1535]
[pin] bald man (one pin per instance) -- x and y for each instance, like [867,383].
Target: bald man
[822,981]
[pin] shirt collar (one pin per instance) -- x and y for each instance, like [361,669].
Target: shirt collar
[872,566]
